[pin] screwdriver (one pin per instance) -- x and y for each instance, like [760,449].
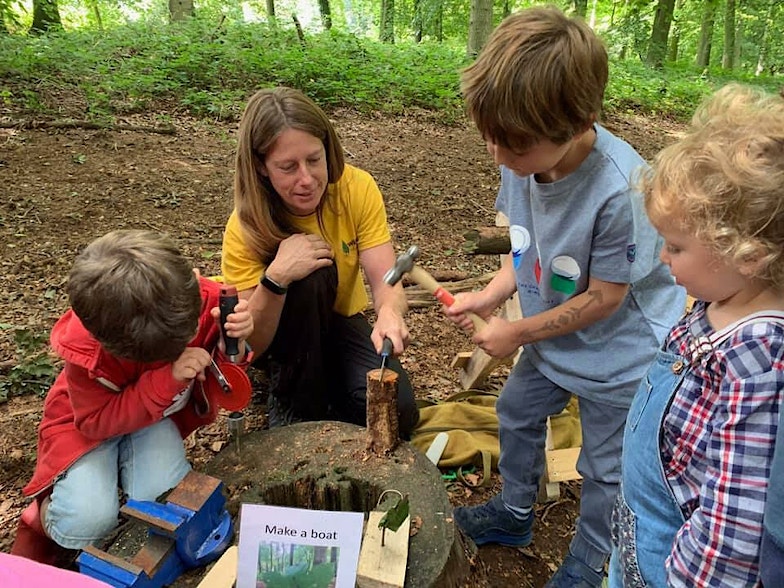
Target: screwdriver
[386,351]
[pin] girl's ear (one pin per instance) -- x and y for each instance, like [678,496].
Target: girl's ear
[753,262]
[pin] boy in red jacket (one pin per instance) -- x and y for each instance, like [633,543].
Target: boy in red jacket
[142,328]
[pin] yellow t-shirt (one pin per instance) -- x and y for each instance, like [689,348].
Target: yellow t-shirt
[360,223]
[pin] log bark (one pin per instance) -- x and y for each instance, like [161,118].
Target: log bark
[382,420]
[487,241]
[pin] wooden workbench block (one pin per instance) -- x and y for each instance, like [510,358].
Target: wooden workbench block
[383,567]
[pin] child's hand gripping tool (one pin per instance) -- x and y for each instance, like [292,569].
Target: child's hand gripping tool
[227,384]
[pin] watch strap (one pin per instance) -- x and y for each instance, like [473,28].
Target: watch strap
[273,286]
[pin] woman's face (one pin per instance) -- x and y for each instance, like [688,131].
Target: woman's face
[296,166]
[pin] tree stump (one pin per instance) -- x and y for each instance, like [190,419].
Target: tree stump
[326,465]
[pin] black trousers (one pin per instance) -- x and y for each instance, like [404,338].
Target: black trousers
[318,360]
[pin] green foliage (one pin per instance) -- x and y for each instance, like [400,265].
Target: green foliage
[35,372]
[210,71]
[674,91]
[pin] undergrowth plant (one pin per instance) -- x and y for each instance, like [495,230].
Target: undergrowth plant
[34,371]
[210,72]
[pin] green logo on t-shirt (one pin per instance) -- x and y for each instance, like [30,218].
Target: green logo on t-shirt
[345,248]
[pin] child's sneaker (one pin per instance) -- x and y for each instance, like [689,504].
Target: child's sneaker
[575,574]
[492,522]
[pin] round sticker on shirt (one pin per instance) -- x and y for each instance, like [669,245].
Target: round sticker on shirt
[566,272]
[521,241]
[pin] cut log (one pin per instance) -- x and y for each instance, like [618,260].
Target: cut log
[487,241]
[382,422]
[325,465]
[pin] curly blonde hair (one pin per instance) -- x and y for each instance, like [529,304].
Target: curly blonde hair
[724,180]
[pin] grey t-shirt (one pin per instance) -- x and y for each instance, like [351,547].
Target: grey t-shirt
[591,223]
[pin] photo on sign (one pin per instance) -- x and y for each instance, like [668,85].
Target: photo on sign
[283,565]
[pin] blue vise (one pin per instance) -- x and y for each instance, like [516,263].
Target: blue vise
[191,529]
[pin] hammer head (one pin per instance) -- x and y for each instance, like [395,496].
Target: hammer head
[403,265]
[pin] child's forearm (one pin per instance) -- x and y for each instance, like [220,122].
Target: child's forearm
[598,302]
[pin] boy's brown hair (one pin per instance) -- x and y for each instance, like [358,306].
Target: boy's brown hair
[137,295]
[541,75]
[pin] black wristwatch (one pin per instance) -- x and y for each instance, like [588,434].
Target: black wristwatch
[273,286]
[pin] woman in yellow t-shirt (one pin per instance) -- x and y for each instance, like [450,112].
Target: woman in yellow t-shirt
[304,225]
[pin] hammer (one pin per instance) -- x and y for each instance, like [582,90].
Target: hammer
[405,265]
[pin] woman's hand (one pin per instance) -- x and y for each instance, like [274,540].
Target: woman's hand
[299,256]
[390,324]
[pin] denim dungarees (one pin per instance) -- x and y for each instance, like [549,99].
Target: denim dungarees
[646,514]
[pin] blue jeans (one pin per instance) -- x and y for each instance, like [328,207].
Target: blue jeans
[85,503]
[526,401]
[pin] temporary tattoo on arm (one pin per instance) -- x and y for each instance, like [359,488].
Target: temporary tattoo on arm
[570,315]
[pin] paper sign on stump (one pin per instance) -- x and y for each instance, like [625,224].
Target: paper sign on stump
[282,546]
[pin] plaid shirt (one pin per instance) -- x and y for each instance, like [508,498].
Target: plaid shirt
[717,443]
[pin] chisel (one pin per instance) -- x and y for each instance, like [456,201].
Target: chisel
[386,351]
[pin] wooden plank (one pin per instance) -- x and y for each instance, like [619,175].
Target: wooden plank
[461,360]
[383,567]
[479,367]
[223,573]
[562,464]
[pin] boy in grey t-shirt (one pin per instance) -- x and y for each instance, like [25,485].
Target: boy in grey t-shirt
[596,299]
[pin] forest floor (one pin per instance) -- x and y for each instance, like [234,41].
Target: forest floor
[61,188]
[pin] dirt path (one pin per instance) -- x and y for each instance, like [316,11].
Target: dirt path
[60,189]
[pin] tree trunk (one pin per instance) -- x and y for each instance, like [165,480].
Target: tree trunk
[180,10]
[706,33]
[419,21]
[657,48]
[439,24]
[675,38]
[326,14]
[271,13]
[386,29]
[764,40]
[46,17]
[97,13]
[480,25]
[728,56]
[581,8]
[507,9]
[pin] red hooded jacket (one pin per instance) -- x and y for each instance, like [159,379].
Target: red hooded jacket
[98,396]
